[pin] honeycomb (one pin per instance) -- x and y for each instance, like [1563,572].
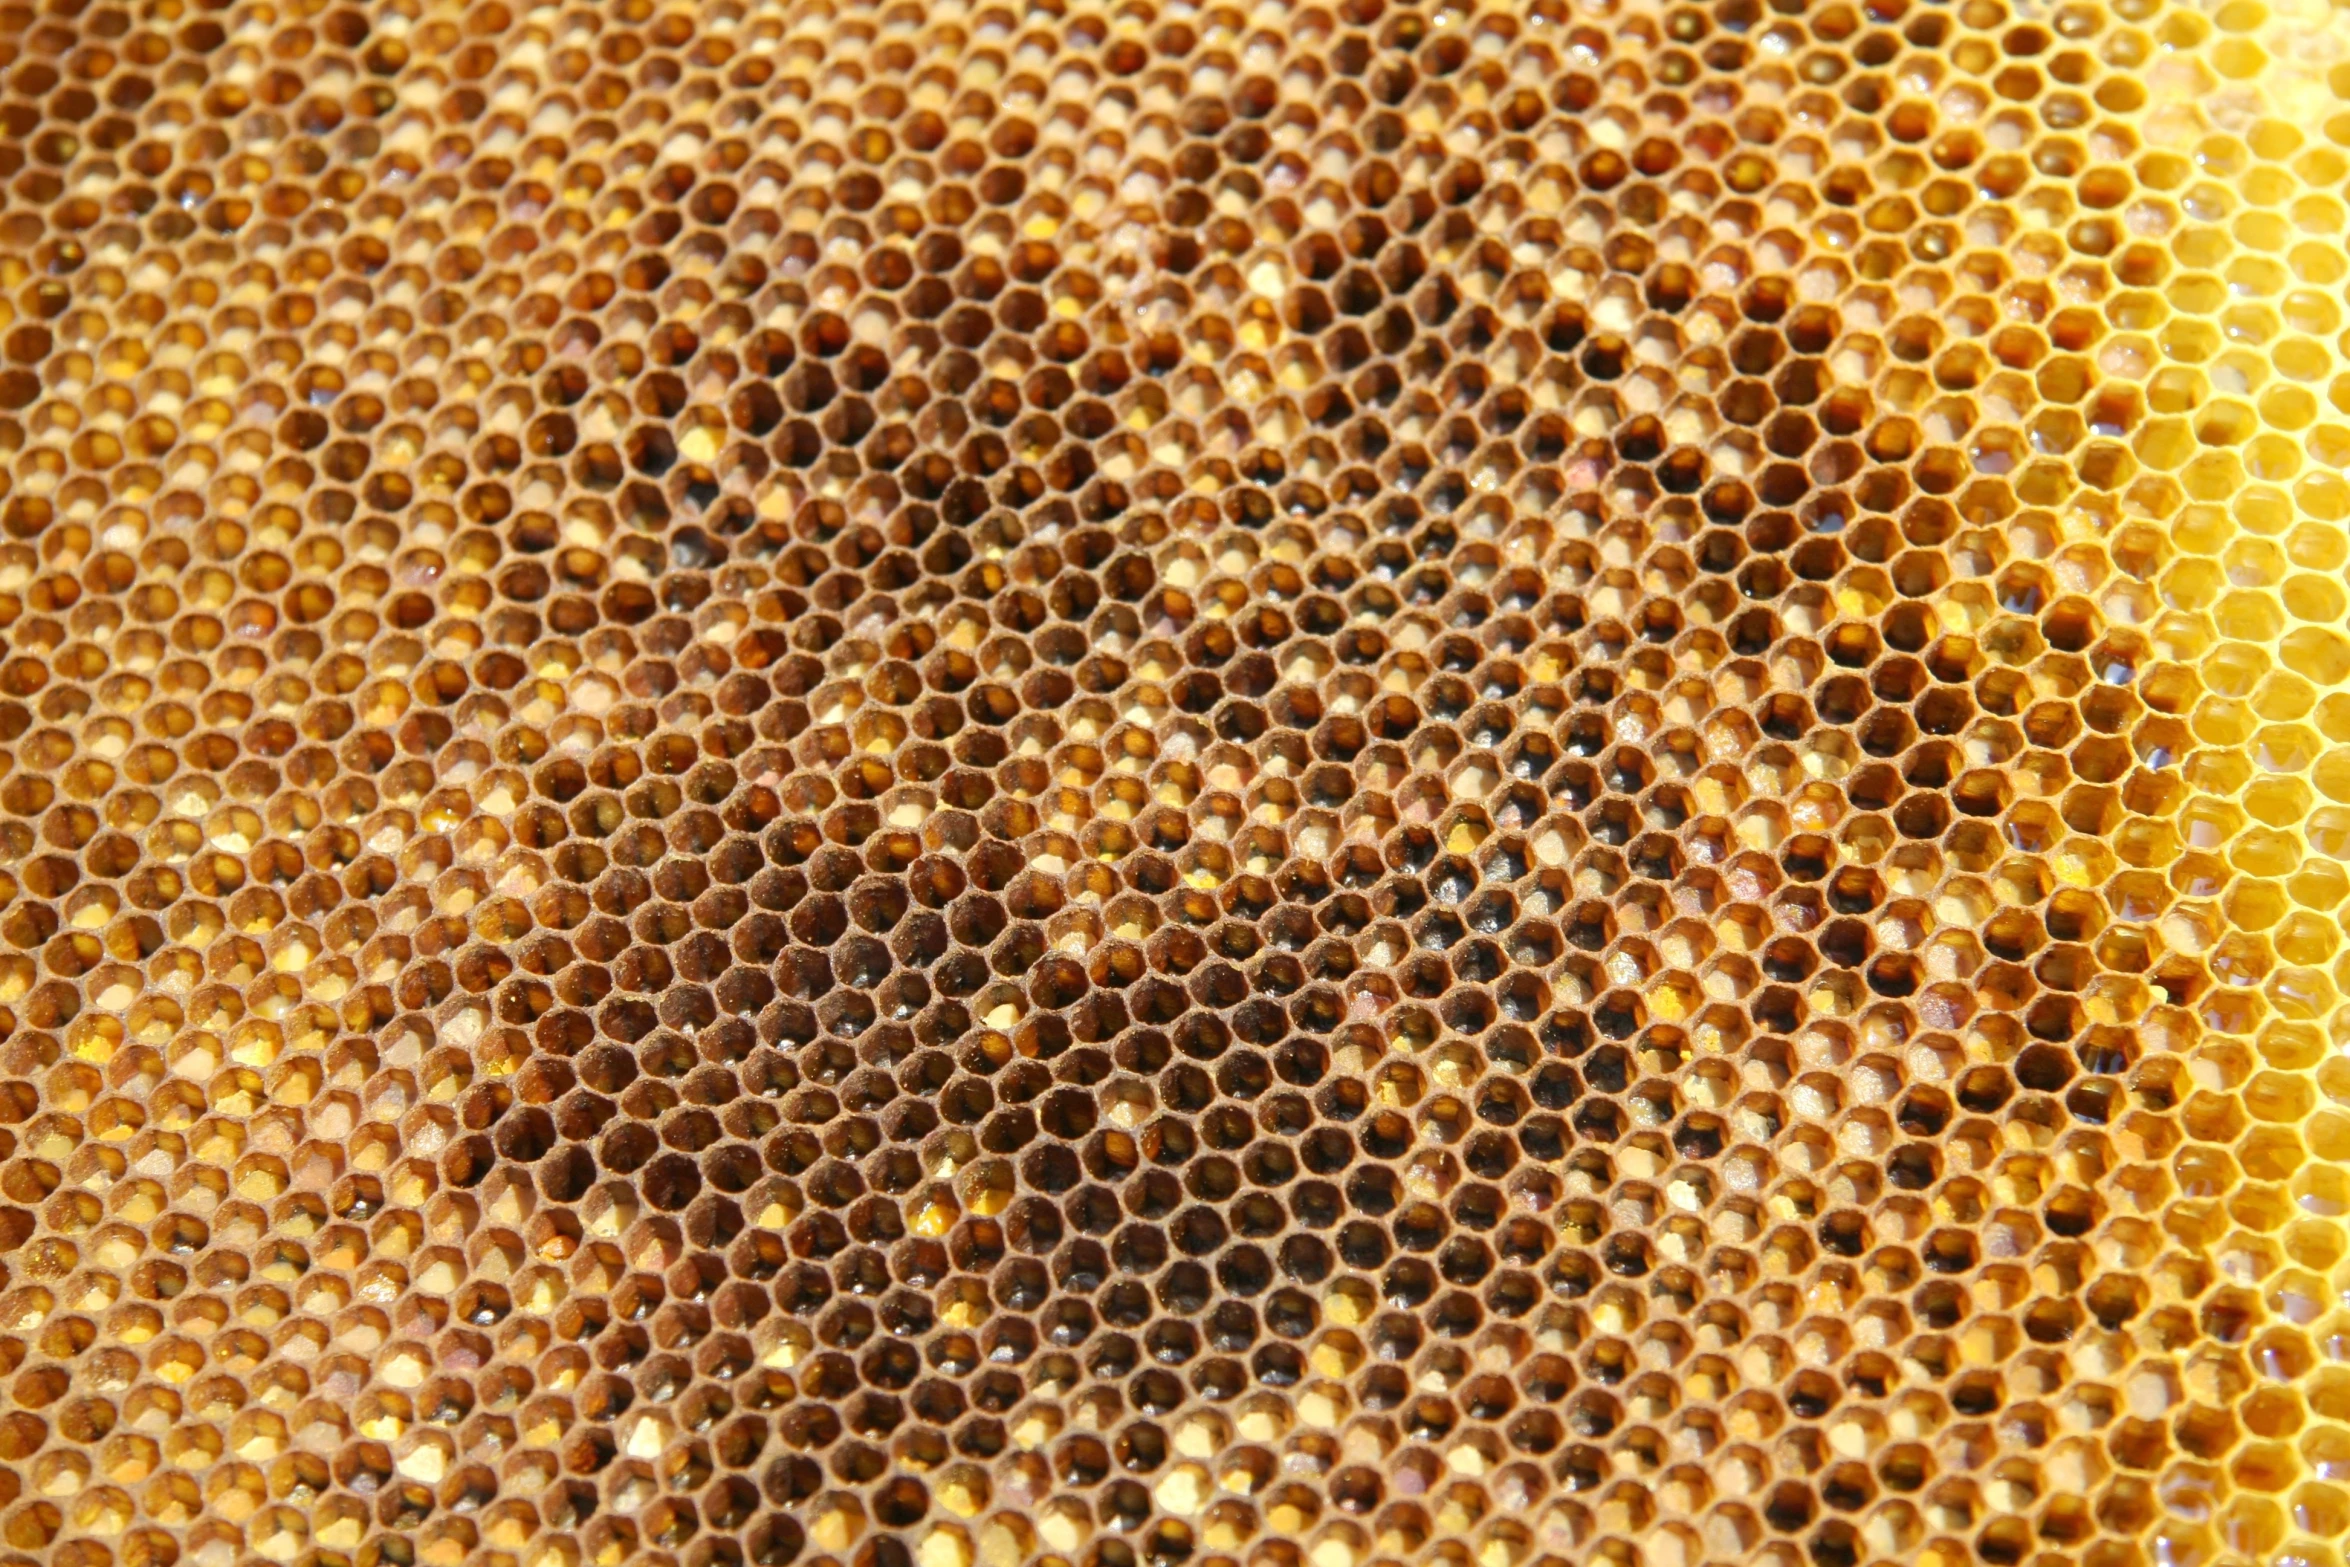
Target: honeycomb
[1326,783]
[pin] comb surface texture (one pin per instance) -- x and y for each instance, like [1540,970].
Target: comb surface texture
[1165,785]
